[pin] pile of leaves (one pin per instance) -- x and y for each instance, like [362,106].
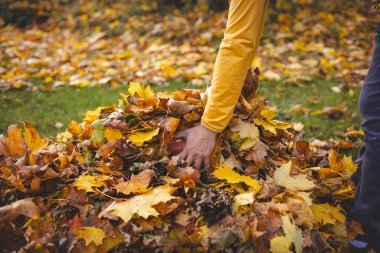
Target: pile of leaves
[115,183]
[110,42]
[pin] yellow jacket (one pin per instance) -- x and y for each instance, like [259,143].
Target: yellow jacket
[245,25]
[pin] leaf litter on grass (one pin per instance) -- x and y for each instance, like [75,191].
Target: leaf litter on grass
[127,191]
[107,43]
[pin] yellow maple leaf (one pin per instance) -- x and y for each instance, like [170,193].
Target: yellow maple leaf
[349,166]
[112,134]
[224,172]
[281,244]
[88,183]
[141,205]
[91,234]
[91,116]
[33,140]
[272,125]
[139,137]
[144,93]
[246,130]
[327,214]
[282,177]
[13,145]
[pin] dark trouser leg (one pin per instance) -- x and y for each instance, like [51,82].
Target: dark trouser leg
[367,198]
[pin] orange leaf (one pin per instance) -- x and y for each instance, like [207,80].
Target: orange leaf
[14,144]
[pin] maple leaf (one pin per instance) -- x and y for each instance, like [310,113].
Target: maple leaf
[139,137]
[282,177]
[247,131]
[224,172]
[91,116]
[91,234]
[33,140]
[13,145]
[327,214]
[141,205]
[281,244]
[272,125]
[88,183]
[137,184]
[348,165]
[144,93]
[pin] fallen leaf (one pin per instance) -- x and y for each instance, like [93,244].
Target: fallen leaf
[13,145]
[24,207]
[224,172]
[137,184]
[281,244]
[282,177]
[327,214]
[88,183]
[141,205]
[91,234]
[33,140]
[144,93]
[139,137]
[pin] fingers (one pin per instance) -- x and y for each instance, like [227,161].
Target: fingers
[198,162]
[190,159]
[181,134]
[207,161]
[184,154]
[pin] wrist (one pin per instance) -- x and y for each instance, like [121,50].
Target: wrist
[207,131]
[205,124]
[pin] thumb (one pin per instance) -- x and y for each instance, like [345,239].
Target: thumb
[181,134]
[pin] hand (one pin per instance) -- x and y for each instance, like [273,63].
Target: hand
[200,143]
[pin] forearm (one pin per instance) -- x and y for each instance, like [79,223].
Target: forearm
[244,28]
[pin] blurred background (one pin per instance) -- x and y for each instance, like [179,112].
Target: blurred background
[60,58]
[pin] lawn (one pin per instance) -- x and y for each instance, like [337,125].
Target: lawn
[302,104]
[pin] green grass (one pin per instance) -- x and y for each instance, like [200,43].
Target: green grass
[45,109]
[317,124]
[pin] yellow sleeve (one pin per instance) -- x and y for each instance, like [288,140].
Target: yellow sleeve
[245,25]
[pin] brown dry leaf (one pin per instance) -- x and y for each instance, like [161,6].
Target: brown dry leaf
[24,207]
